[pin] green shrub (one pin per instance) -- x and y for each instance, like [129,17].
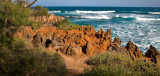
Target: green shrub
[16,60]
[40,11]
[120,64]
[66,25]
[12,16]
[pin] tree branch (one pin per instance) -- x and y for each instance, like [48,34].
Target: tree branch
[31,3]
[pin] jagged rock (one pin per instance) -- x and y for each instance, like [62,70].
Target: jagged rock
[90,31]
[133,50]
[117,41]
[152,52]
[74,50]
[116,45]
[108,37]
[100,33]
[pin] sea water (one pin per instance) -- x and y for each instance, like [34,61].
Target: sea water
[138,24]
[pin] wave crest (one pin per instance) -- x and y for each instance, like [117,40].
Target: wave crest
[54,11]
[154,12]
[146,19]
[78,11]
[97,17]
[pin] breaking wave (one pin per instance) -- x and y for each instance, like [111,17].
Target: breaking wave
[54,11]
[78,11]
[154,12]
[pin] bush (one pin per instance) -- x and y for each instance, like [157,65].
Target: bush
[18,60]
[120,64]
[12,16]
[40,11]
[66,25]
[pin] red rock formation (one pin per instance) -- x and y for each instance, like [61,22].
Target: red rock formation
[77,43]
[90,41]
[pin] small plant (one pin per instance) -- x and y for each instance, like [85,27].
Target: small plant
[36,25]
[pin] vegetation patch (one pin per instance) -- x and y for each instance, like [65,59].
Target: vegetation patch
[40,11]
[66,25]
[16,59]
[120,64]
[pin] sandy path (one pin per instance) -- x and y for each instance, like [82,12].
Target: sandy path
[75,66]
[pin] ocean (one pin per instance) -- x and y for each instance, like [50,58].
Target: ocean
[138,24]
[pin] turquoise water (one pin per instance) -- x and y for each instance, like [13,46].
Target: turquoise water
[138,24]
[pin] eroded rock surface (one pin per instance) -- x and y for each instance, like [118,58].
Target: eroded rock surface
[51,19]
[81,42]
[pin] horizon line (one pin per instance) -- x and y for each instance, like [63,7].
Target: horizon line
[96,6]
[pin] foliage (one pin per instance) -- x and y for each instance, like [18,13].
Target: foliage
[40,11]
[120,64]
[66,25]
[16,59]
[13,15]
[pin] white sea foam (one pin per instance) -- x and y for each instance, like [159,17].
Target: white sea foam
[97,17]
[78,11]
[146,19]
[128,17]
[54,11]
[154,12]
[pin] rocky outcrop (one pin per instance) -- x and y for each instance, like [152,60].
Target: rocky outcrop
[70,42]
[51,19]
[80,42]
[133,50]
